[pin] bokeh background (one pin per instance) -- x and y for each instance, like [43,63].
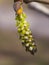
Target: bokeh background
[11,50]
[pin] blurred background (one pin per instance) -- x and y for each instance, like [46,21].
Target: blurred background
[11,50]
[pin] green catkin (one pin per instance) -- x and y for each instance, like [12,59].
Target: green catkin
[25,33]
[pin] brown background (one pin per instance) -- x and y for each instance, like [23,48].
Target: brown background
[11,50]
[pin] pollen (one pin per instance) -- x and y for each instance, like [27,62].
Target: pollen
[19,11]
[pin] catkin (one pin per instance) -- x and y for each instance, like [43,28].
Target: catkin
[25,33]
